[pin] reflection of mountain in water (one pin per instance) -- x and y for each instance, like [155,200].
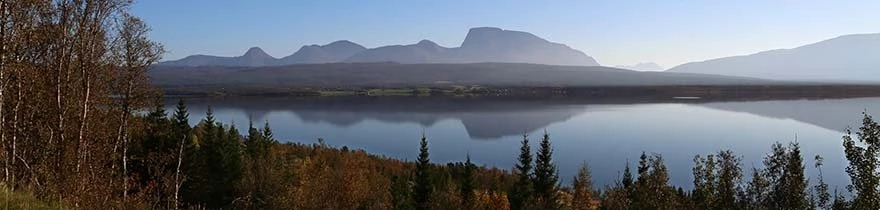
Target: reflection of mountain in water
[491,118]
[832,114]
[482,118]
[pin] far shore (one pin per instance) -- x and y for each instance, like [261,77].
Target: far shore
[681,92]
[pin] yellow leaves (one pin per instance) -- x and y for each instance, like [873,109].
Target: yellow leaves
[339,180]
[490,200]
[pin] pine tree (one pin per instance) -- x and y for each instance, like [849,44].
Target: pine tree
[423,187]
[757,191]
[467,184]
[627,180]
[521,194]
[546,177]
[267,133]
[184,147]
[218,169]
[181,118]
[794,180]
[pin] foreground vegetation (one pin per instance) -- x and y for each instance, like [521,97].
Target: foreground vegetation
[214,166]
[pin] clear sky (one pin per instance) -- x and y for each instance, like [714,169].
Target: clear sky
[614,32]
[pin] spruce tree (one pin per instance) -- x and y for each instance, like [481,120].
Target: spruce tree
[795,182]
[467,184]
[267,133]
[423,187]
[521,194]
[181,131]
[546,177]
[627,179]
[181,118]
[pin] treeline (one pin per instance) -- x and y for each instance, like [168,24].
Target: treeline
[213,166]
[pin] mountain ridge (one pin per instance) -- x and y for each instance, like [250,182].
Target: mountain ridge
[481,44]
[850,57]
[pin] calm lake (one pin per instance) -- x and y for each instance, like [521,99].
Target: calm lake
[606,134]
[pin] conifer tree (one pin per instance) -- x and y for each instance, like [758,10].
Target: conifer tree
[794,181]
[627,179]
[467,184]
[181,131]
[423,187]
[521,194]
[546,177]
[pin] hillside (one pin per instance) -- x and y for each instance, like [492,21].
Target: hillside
[845,58]
[409,75]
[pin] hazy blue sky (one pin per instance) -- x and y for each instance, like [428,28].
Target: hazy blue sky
[614,32]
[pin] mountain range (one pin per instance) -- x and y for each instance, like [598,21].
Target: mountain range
[483,44]
[646,66]
[854,58]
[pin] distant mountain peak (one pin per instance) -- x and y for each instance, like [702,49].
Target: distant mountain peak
[483,30]
[426,42]
[255,52]
[643,66]
[344,43]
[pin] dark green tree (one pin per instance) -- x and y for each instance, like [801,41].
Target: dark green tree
[546,176]
[181,132]
[627,180]
[864,158]
[651,189]
[521,194]
[794,181]
[219,165]
[756,192]
[468,184]
[401,192]
[423,188]
[256,182]
[152,157]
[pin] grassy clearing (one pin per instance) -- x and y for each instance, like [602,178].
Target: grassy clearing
[23,200]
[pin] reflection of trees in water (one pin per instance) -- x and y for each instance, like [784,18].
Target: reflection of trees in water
[490,118]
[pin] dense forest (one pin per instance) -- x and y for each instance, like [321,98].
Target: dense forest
[81,127]
[215,166]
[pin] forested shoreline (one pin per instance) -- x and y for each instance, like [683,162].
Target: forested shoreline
[267,174]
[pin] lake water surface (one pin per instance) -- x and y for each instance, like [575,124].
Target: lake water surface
[605,134]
